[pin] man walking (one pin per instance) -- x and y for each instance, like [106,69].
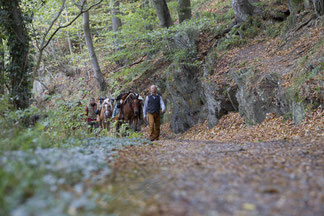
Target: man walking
[91,114]
[152,107]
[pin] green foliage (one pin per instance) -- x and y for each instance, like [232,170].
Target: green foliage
[19,66]
[305,73]
[126,131]
[54,127]
[246,31]
[219,18]
[66,120]
[20,184]
[250,28]
[52,181]
[139,35]
[231,42]
[274,29]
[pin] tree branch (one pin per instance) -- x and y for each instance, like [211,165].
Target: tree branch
[71,22]
[130,65]
[52,23]
[44,45]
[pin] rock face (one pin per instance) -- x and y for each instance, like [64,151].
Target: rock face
[184,88]
[218,100]
[258,96]
[183,83]
[192,97]
[194,93]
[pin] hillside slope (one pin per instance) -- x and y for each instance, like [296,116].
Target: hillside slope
[268,64]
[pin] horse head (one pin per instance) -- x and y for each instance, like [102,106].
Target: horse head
[136,104]
[107,107]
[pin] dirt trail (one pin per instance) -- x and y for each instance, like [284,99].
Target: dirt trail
[209,178]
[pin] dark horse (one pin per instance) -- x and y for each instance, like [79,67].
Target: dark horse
[131,110]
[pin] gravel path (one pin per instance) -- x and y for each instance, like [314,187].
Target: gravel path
[207,178]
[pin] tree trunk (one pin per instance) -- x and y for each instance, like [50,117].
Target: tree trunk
[184,10]
[2,68]
[307,4]
[115,20]
[94,61]
[242,10]
[116,25]
[162,12]
[19,66]
[318,7]
[294,7]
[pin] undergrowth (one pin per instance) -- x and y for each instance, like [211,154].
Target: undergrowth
[48,158]
[33,127]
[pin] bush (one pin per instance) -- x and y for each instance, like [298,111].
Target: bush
[32,127]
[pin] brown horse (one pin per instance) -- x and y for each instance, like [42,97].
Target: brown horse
[105,114]
[132,109]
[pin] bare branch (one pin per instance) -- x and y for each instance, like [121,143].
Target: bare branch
[52,23]
[130,65]
[71,22]
[45,44]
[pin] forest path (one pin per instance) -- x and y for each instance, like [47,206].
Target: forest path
[173,177]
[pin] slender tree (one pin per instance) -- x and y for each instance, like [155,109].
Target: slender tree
[184,10]
[115,12]
[92,54]
[44,43]
[47,37]
[116,26]
[2,67]
[19,66]
[163,13]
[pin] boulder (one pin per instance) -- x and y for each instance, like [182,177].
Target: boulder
[259,95]
[219,99]
[184,88]
[183,82]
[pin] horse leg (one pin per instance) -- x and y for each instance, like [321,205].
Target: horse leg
[134,125]
[108,125]
[117,128]
[135,121]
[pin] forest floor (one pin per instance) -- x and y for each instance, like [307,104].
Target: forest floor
[186,177]
[274,168]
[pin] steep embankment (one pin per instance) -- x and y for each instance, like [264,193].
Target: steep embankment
[262,69]
[272,63]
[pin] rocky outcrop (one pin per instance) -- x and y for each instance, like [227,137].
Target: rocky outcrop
[192,96]
[204,91]
[218,99]
[258,96]
[184,88]
[183,83]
